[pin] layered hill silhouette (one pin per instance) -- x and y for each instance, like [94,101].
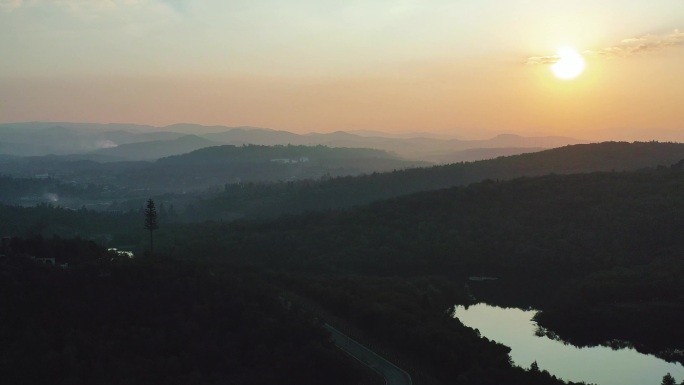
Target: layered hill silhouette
[204,168]
[278,153]
[590,234]
[274,200]
[600,218]
[151,150]
[268,181]
[44,138]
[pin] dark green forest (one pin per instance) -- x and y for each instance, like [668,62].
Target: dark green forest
[606,247]
[152,322]
[112,320]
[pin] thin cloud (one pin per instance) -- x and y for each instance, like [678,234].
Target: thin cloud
[627,47]
[10,5]
[552,59]
[646,43]
[130,14]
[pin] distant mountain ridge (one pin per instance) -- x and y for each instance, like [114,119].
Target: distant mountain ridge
[43,138]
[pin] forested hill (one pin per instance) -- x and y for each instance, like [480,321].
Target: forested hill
[607,245]
[254,153]
[156,149]
[271,200]
[555,224]
[216,166]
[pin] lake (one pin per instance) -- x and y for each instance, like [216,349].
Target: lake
[600,365]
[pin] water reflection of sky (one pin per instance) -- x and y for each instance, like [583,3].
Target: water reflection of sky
[601,365]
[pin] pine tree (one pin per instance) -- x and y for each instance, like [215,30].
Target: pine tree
[151,221]
[668,380]
[534,367]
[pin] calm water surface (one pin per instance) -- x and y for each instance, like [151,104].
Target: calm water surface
[600,365]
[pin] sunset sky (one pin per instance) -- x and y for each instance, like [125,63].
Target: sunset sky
[469,68]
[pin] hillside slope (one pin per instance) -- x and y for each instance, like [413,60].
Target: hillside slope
[157,149]
[601,253]
[286,198]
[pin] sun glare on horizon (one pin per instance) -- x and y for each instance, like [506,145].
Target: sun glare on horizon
[570,64]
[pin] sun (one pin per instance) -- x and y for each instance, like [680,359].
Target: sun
[570,64]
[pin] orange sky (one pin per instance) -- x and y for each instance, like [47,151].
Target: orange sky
[455,67]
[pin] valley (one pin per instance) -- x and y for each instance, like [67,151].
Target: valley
[592,244]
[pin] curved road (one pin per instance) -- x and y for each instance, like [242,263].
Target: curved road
[393,375]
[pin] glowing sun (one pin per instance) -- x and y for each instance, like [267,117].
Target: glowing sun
[570,64]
